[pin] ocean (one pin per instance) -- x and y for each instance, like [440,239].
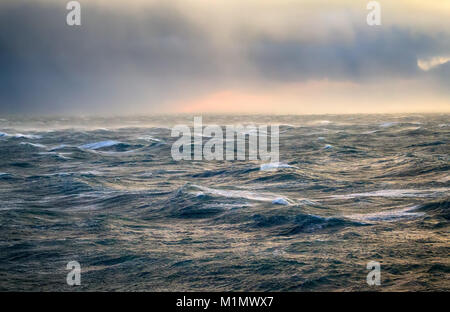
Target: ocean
[106,192]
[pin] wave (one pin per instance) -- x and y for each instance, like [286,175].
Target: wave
[388,124]
[57,155]
[390,215]
[441,208]
[188,202]
[396,193]
[278,177]
[59,174]
[33,144]
[300,223]
[100,144]
[58,147]
[113,147]
[370,132]
[149,138]
[263,197]
[21,136]
[434,143]
[280,201]
[195,201]
[27,136]
[58,185]
[275,165]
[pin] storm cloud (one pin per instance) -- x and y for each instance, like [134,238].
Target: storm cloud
[143,58]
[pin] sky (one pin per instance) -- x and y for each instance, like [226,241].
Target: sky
[224,56]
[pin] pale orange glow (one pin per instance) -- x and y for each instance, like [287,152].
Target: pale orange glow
[319,97]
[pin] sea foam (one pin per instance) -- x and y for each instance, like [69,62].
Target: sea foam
[275,165]
[390,215]
[264,197]
[101,144]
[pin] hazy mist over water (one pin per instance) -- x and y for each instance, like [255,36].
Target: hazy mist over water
[349,189]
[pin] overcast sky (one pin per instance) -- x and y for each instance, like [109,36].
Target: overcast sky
[227,56]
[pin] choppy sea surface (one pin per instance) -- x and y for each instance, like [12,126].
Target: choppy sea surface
[106,192]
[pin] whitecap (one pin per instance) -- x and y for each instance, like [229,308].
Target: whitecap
[390,215]
[275,165]
[27,136]
[59,174]
[145,175]
[33,144]
[149,138]
[280,201]
[370,132]
[91,173]
[101,144]
[59,155]
[388,124]
[321,122]
[58,147]
[21,136]
[328,146]
[395,193]
[264,197]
